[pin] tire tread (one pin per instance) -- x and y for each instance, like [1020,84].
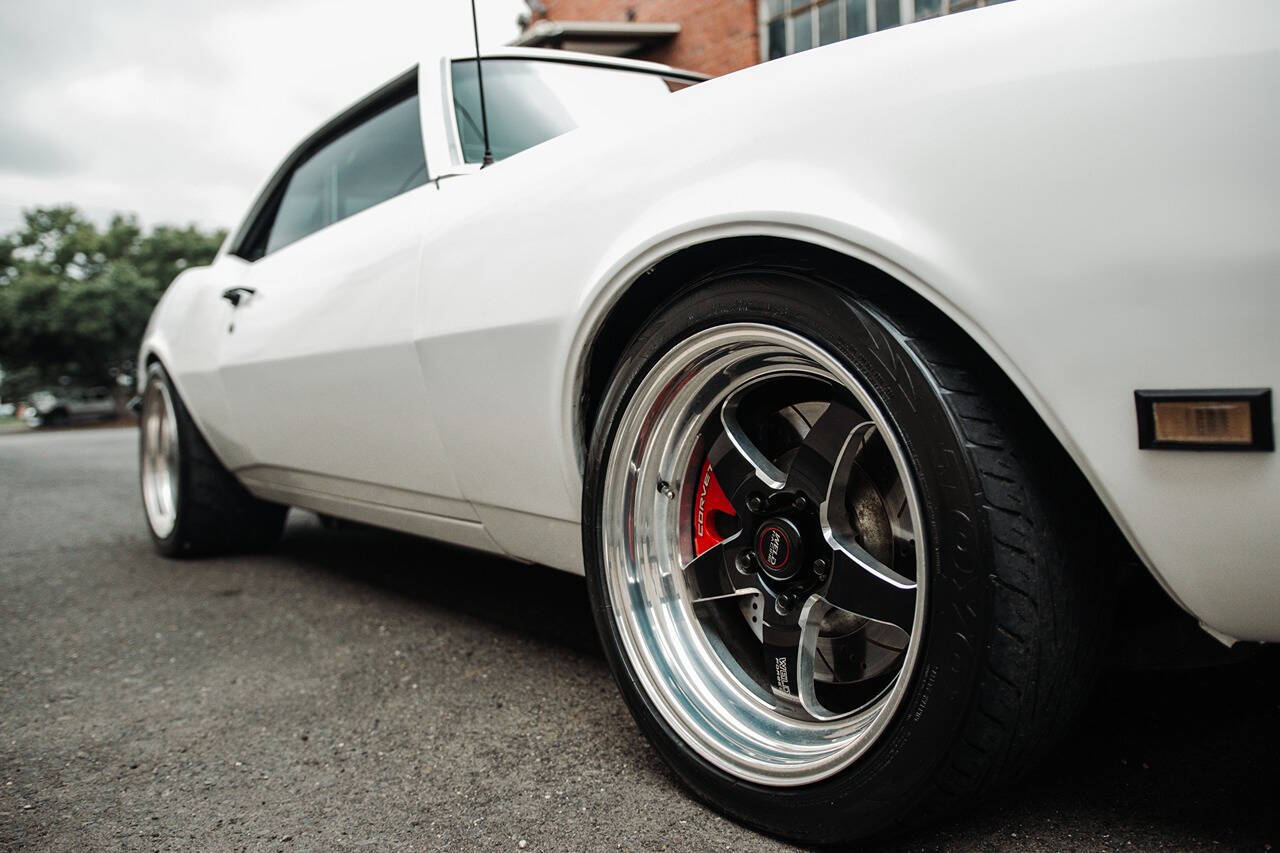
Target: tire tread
[1045,642]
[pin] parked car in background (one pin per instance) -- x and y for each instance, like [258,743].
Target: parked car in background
[68,406]
[853,381]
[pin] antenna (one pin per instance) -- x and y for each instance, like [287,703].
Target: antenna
[484,118]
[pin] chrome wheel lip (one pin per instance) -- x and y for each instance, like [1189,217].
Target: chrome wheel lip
[694,690]
[159,459]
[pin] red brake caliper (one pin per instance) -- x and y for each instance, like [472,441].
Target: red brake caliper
[711,501]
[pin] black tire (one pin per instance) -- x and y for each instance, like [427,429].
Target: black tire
[215,513]
[1017,609]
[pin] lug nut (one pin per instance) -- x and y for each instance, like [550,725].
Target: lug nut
[745,562]
[820,569]
[801,502]
[784,602]
[755,503]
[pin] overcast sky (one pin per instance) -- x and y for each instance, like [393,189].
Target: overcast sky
[177,109]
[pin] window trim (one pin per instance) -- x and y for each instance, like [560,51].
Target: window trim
[459,159]
[261,215]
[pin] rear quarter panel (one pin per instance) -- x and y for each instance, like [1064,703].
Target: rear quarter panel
[1089,189]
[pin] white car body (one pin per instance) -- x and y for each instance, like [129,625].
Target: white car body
[1090,190]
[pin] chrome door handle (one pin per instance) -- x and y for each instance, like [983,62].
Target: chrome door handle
[235,294]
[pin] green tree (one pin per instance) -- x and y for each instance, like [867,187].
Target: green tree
[74,298]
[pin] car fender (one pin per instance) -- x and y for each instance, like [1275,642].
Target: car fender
[1084,277]
[185,334]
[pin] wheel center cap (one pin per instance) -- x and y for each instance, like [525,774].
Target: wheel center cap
[778,547]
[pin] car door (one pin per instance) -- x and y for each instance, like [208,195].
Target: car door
[317,364]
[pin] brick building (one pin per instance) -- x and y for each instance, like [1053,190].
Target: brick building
[716,36]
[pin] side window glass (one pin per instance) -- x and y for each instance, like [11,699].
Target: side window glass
[370,163]
[379,159]
[304,206]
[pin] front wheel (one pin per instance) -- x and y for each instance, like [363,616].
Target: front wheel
[193,504]
[831,584]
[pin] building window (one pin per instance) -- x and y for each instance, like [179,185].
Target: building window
[888,13]
[790,26]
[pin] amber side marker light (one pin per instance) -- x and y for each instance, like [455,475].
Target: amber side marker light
[1223,419]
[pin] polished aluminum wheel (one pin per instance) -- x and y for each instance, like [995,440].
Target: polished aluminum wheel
[764,556]
[159,459]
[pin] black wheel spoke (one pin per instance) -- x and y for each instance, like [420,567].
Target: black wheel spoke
[757,464]
[815,460]
[863,585]
[789,645]
[731,468]
[714,575]
[782,657]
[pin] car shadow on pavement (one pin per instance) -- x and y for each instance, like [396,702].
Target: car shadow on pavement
[536,601]
[1190,754]
[1157,759]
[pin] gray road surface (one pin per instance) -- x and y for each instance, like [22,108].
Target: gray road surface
[352,689]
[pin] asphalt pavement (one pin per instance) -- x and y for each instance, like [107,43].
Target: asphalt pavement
[355,689]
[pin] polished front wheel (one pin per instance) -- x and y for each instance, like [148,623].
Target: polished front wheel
[832,591]
[193,504]
[763,551]
[159,459]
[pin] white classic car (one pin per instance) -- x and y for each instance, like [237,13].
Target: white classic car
[852,382]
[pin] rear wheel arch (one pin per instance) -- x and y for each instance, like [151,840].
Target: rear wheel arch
[698,265]
[705,263]
[645,295]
